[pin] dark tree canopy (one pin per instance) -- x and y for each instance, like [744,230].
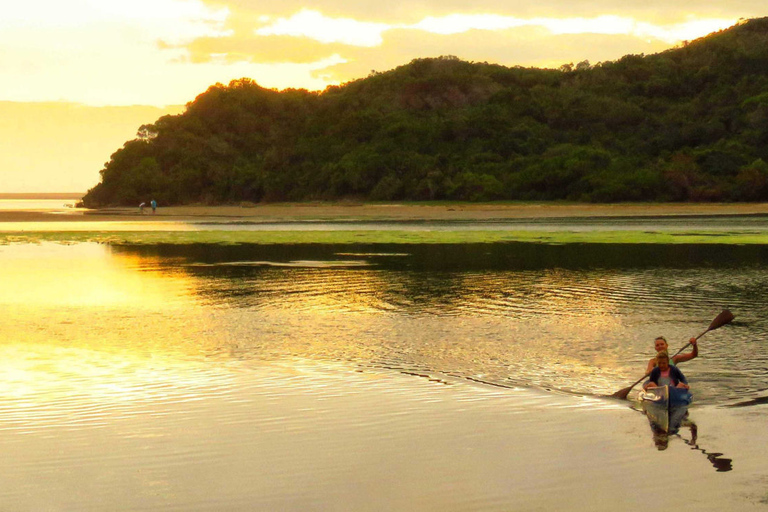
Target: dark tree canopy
[687,124]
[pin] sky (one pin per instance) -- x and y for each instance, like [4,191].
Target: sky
[78,77]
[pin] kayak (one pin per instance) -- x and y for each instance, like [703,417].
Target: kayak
[666,406]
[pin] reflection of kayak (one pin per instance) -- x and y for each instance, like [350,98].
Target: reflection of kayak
[665,406]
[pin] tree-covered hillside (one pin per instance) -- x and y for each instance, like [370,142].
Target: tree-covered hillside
[688,124]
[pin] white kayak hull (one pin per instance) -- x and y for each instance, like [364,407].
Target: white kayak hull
[665,406]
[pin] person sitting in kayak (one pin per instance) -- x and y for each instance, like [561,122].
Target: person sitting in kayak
[665,374]
[661,344]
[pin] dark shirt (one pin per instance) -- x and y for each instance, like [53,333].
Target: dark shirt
[674,373]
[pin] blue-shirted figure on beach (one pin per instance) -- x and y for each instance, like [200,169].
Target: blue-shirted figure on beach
[154,205]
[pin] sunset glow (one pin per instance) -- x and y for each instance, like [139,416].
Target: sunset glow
[314,25]
[163,53]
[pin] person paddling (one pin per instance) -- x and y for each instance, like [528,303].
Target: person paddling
[665,374]
[660,344]
[724,318]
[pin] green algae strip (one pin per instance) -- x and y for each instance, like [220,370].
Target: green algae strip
[385,237]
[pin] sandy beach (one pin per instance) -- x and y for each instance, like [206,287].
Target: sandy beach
[384,212]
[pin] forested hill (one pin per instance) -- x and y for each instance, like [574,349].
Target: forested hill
[688,124]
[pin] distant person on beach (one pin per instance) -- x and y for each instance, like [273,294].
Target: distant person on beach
[154,205]
[661,345]
[141,208]
[665,374]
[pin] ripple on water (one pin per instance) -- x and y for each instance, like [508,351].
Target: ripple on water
[580,330]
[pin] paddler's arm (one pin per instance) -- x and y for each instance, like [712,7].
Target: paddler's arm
[653,379]
[681,358]
[682,382]
[651,365]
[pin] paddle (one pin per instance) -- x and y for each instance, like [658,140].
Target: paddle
[720,320]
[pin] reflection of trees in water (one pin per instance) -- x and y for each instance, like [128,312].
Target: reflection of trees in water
[412,284]
[561,314]
[508,256]
[514,279]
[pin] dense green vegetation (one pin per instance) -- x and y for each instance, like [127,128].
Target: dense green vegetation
[688,124]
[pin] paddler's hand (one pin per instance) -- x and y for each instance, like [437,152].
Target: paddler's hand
[693,341]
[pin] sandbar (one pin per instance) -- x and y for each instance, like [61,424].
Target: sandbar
[391,212]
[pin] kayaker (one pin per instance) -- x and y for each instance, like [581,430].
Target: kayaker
[661,344]
[665,374]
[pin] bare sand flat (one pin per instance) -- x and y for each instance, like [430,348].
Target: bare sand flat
[384,212]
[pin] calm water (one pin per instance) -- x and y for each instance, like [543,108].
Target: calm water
[37,204]
[159,358]
[577,319]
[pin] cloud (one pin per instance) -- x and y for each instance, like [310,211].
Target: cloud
[373,34]
[177,19]
[396,12]
[354,48]
[97,52]
[314,25]
[165,52]
[262,49]
[525,46]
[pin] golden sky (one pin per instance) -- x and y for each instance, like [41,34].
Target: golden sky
[161,53]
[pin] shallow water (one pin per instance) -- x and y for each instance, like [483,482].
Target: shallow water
[565,318]
[47,205]
[319,376]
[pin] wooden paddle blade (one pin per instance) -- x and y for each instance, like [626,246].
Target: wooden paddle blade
[720,320]
[622,394]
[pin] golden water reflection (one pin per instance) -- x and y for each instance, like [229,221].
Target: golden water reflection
[179,382]
[85,328]
[45,385]
[575,330]
[85,275]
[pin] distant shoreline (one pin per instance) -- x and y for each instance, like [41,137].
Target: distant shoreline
[41,195]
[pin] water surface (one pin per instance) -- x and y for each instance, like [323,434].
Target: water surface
[576,319]
[46,205]
[372,376]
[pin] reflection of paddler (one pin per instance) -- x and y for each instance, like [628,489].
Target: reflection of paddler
[666,407]
[720,463]
[661,440]
[668,422]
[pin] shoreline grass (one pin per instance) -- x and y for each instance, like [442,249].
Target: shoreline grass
[386,237]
